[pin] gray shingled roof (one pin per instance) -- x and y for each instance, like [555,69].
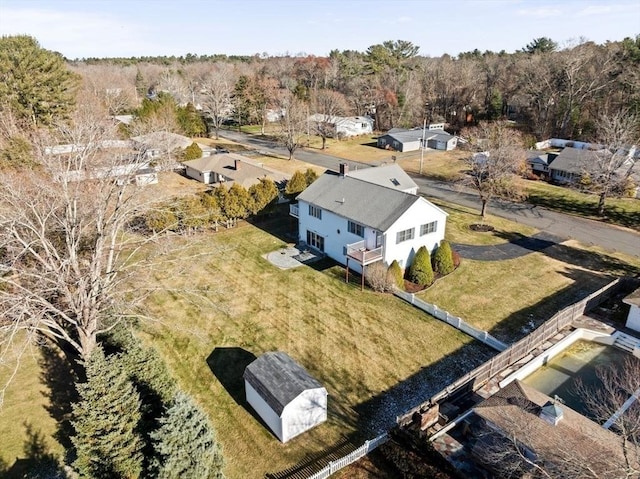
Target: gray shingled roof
[278,379]
[573,160]
[371,205]
[403,135]
[391,176]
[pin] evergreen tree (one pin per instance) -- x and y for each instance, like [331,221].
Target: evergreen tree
[263,194]
[36,83]
[105,421]
[395,271]
[237,203]
[185,443]
[192,152]
[443,259]
[191,122]
[420,271]
[295,185]
[310,176]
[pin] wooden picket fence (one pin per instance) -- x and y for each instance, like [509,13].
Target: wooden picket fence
[362,451]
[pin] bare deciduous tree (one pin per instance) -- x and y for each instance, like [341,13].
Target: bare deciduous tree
[328,105]
[64,251]
[293,123]
[494,173]
[612,404]
[609,170]
[216,90]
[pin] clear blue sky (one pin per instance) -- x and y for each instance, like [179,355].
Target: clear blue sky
[99,28]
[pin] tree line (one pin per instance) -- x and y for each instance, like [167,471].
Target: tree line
[552,91]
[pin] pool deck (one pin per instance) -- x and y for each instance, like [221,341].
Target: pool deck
[455,452]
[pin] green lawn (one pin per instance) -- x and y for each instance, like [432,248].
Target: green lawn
[350,340]
[620,211]
[504,297]
[358,344]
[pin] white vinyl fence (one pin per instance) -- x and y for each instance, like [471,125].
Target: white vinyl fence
[454,321]
[362,451]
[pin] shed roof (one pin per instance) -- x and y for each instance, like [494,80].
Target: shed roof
[368,204]
[391,176]
[278,379]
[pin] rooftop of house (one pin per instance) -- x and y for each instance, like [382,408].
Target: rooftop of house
[391,176]
[236,168]
[363,202]
[415,134]
[163,138]
[633,299]
[516,411]
[279,379]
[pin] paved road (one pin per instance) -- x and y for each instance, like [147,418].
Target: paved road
[589,232]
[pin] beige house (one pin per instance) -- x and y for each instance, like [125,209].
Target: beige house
[231,168]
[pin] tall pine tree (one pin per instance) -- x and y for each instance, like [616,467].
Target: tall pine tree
[185,443]
[36,83]
[105,421]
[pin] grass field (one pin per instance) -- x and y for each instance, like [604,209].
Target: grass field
[348,339]
[374,353]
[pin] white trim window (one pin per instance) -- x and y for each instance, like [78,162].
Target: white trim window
[427,228]
[356,229]
[315,212]
[404,235]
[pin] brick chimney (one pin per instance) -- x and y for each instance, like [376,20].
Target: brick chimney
[344,169]
[236,164]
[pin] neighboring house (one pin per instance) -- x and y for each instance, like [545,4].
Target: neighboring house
[287,398]
[571,164]
[364,217]
[400,139]
[546,432]
[633,318]
[230,167]
[273,116]
[118,160]
[342,126]
[160,143]
[539,160]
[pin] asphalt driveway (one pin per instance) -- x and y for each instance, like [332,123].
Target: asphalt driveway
[511,250]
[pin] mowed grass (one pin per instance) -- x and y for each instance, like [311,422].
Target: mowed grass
[358,344]
[24,406]
[511,297]
[461,219]
[621,211]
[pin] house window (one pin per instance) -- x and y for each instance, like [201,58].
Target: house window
[356,229]
[315,240]
[404,235]
[428,228]
[315,212]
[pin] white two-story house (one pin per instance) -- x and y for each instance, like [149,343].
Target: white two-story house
[367,216]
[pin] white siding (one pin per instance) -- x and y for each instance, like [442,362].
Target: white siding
[204,177]
[633,320]
[334,230]
[267,414]
[306,411]
[419,213]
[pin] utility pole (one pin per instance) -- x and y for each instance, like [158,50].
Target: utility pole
[424,127]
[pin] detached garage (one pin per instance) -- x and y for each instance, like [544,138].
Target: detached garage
[285,395]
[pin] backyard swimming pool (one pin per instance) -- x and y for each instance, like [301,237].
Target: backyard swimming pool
[580,360]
